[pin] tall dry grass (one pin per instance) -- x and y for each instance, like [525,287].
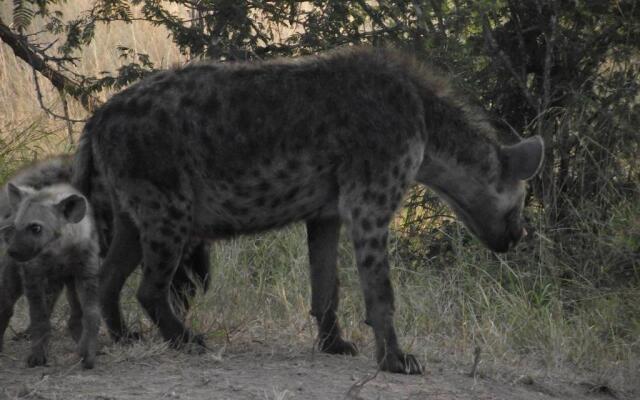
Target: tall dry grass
[446,306]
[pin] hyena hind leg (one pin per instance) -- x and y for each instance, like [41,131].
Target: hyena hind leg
[163,234]
[74,323]
[322,239]
[122,258]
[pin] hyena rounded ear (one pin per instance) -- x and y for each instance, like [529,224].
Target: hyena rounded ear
[73,208]
[15,195]
[523,161]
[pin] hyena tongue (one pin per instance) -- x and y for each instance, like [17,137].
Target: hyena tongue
[524,233]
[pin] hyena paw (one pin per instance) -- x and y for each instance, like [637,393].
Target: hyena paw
[88,359]
[87,352]
[190,343]
[401,363]
[20,336]
[128,338]
[338,346]
[36,359]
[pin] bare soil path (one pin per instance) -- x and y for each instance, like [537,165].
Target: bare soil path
[150,371]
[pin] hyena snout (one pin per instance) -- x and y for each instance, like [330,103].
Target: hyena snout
[22,250]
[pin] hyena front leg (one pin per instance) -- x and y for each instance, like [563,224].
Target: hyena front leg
[10,292]
[39,314]
[370,243]
[322,238]
[86,285]
[366,205]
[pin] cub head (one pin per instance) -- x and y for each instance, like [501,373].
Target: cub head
[39,219]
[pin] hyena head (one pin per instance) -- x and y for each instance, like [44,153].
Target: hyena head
[489,200]
[39,219]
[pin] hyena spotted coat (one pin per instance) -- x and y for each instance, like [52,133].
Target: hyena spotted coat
[213,150]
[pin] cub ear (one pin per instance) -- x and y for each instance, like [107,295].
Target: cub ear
[523,160]
[15,195]
[73,208]
[6,232]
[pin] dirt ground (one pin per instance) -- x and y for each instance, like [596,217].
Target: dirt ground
[254,371]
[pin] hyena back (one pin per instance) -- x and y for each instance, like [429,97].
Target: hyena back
[218,150]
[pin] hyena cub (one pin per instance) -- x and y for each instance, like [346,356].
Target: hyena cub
[53,243]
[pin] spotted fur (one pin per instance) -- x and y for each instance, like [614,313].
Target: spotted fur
[213,151]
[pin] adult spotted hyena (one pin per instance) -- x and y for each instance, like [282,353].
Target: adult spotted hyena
[218,150]
[54,243]
[192,273]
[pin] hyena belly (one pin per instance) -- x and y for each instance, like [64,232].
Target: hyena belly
[293,189]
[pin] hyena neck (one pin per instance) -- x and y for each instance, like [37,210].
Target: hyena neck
[461,148]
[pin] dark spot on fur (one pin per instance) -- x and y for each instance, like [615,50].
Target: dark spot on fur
[382,199]
[291,194]
[356,212]
[175,213]
[381,222]
[293,164]
[374,243]
[366,225]
[276,203]
[395,171]
[154,205]
[260,201]
[282,174]
[211,104]
[368,261]
[264,186]
[186,102]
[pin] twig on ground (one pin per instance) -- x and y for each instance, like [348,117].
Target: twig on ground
[476,360]
[354,390]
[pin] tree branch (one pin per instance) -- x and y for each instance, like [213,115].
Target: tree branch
[23,51]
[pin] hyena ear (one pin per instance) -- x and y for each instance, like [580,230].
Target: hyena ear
[6,232]
[15,195]
[523,161]
[73,208]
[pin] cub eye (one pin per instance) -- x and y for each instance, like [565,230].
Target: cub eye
[35,228]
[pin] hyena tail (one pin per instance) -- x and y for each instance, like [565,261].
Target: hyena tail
[83,165]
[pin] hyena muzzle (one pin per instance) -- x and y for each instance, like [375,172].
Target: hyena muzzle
[192,273]
[214,150]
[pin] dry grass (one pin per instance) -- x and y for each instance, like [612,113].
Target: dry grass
[260,288]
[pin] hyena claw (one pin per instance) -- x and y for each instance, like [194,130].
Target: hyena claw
[338,346]
[401,363]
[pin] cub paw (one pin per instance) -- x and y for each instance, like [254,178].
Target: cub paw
[401,363]
[338,346]
[36,359]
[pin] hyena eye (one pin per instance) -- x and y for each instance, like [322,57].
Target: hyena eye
[35,228]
